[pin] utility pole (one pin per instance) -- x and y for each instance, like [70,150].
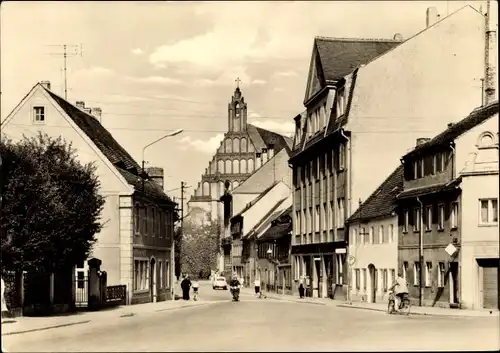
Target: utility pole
[68,50]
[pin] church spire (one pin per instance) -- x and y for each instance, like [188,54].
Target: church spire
[237,110]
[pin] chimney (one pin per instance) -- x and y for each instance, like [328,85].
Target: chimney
[450,125]
[87,110]
[298,127]
[45,84]
[97,112]
[398,37]
[422,140]
[489,57]
[80,104]
[156,173]
[432,16]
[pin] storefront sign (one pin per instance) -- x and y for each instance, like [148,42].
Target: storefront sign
[340,251]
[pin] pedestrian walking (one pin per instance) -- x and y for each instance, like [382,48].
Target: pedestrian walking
[257,288]
[301,287]
[195,290]
[186,287]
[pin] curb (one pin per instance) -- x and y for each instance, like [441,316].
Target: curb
[411,312]
[183,306]
[45,328]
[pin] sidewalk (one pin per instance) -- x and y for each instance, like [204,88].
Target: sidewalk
[29,324]
[382,307]
[424,310]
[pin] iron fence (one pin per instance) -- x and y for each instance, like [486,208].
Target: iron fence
[81,290]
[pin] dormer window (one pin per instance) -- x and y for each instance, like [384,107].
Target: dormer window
[39,115]
[486,140]
[340,101]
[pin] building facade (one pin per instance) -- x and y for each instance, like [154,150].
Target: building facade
[373,243]
[135,242]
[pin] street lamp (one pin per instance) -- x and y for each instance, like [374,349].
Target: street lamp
[176,132]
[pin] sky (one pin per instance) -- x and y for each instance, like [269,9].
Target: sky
[154,67]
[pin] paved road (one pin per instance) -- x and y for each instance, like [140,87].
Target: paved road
[265,325]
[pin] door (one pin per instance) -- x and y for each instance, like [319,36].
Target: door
[317,277]
[152,282]
[373,283]
[490,295]
[453,279]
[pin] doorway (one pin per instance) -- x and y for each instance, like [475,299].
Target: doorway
[152,282]
[373,283]
[453,283]
[317,277]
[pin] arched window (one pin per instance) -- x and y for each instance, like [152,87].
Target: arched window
[243,144]
[206,189]
[236,166]
[228,167]
[236,145]
[237,110]
[250,165]
[221,188]
[220,166]
[243,166]
[486,140]
[229,146]
[235,184]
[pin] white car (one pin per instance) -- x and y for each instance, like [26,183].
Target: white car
[219,282]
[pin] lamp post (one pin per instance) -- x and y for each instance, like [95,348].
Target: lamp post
[176,132]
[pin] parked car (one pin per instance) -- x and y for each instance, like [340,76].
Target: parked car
[220,282]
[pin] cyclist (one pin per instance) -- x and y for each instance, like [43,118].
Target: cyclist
[400,289]
[195,286]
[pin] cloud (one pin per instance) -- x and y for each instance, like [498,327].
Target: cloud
[252,114]
[285,74]
[285,127]
[225,77]
[95,71]
[137,51]
[259,82]
[156,79]
[204,146]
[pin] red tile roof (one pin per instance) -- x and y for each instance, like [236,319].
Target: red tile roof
[113,151]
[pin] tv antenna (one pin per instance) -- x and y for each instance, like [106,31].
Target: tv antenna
[68,50]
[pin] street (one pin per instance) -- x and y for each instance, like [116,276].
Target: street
[264,325]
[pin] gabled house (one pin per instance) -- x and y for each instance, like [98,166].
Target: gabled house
[273,244]
[377,103]
[135,244]
[450,195]
[373,243]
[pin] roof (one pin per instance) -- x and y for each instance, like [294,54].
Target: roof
[266,220]
[111,149]
[475,118]
[430,189]
[257,199]
[278,230]
[263,138]
[381,202]
[340,56]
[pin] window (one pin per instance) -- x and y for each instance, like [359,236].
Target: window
[486,140]
[340,213]
[416,219]
[362,236]
[391,233]
[438,162]
[137,219]
[340,268]
[393,276]
[441,274]
[145,221]
[454,215]
[341,156]
[428,274]
[309,221]
[370,236]
[440,217]
[428,218]
[160,269]
[331,222]
[153,221]
[38,114]
[364,279]
[316,220]
[489,211]
[167,274]
[323,217]
[385,279]
[405,271]
[416,273]
[419,168]
[141,272]
[340,101]
[405,221]
[358,279]
[381,235]
[354,235]
[444,156]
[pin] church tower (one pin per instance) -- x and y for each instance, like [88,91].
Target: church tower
[237,112]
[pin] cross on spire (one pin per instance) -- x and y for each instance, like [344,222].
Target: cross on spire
[237,82]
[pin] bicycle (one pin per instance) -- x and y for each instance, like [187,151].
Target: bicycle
[404,305]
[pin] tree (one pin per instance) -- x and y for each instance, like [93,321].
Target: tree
[200,248]
[50,205]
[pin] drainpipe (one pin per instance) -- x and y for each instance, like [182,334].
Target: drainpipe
[348,199]
[421,251]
